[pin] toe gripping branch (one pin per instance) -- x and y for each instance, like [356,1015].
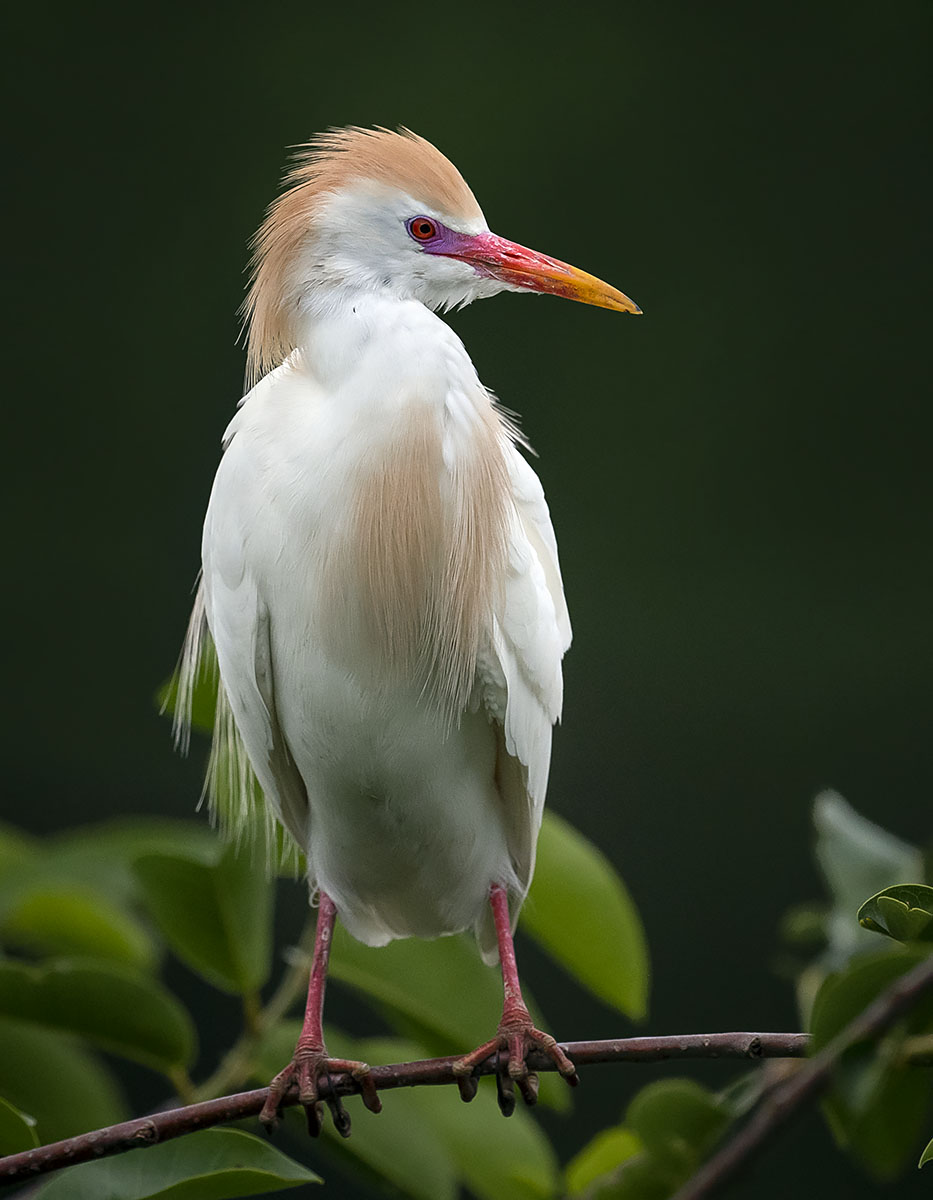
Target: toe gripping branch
[515,1038]
[304,1074]
[517,1035]
[310,1065]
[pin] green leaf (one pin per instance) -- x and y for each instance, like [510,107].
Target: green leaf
[442,987]
[439,993]
[579,910]
[638,1178]
[903,912]
[927,1155]
[214,1164]
[879,1112]
[217,917]
[495,1158]
[858,859]
[847,993]
[394,1146]
[17,1130]
[116,1008]
[104,855]
[491,1157]
[516,1159]
[678,1121]
[58,1081]
[876,1105]
[129,838]
[670,1128]
[98,859]
[62,920]
[605,1153]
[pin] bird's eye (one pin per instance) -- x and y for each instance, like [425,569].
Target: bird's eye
[422,229]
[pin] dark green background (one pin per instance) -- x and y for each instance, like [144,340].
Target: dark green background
[739,479]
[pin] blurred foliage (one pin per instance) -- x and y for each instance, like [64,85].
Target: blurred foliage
[212,1164]
[88,919]
[877,1105]
[857,858]
[214,913]
[17,1131]
[116,1008]
[609,955]
[879,1100]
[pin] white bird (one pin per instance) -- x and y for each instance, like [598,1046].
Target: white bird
[380,577]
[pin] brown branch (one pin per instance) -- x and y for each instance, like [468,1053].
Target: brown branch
[788,1097]
[159,1127]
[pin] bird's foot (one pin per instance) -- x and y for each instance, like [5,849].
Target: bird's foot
[517,1036]
[303,1074]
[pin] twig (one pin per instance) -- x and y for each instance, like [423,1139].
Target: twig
[147,1131]
[788,1097]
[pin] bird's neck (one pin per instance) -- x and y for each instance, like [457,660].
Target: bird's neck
[342,331]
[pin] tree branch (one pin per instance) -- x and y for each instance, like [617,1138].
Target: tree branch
[788,1097]
[159,1127]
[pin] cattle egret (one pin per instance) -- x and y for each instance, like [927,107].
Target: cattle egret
[380,579]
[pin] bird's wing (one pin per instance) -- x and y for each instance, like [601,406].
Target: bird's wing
[249,751]
[521,681]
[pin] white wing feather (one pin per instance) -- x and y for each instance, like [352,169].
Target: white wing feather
[231,620]
[522,687]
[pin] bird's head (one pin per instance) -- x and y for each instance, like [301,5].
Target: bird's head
[373,211]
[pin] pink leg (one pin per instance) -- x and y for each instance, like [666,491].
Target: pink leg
[516,1033]
[311,1062]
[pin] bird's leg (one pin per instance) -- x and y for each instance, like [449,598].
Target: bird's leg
[516,1034]
[311,1062]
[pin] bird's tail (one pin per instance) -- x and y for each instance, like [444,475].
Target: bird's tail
[197,667]
[235,799]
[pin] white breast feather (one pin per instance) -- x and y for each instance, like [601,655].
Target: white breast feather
[247,539]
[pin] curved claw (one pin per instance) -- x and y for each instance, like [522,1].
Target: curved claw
[278,1089]
[564,1065]
[314,1116]
[304,1074]
[468,1085]
[505,1091]
[528,1086]
[341,1117]
[518,1036]
[367,1085]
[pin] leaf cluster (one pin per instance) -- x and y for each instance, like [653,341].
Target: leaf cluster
[879,1103]
[87,923]
[879,1100]
[89,919]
